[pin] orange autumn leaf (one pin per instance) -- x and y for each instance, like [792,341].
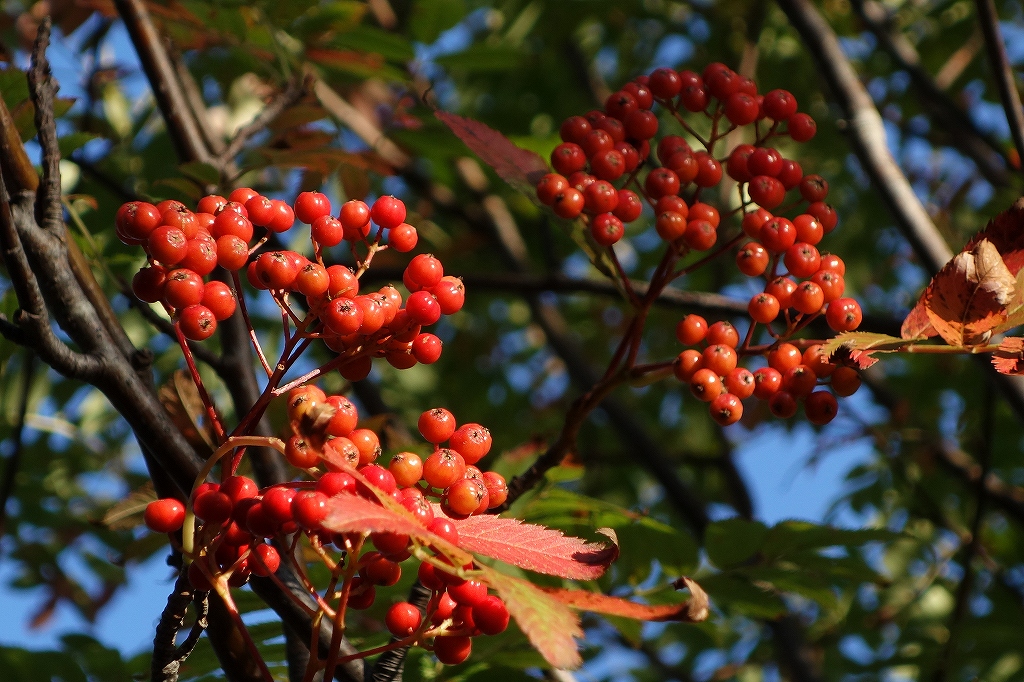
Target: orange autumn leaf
[967,299]
[1009,357]
[693,610]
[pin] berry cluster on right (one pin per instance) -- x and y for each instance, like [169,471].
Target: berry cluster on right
[611,168]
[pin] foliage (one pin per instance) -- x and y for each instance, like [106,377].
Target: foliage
[917,570]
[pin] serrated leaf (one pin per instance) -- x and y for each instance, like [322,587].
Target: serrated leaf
[693,610]
[1009,357]
[859,347]
[548,623]
[733,541]
[967,299]
[534,547]
[516,166]
[1006,233]
[128,512]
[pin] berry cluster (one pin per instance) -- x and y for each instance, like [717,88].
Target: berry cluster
[184,248]
[716,378]
[606,175]
[237,518]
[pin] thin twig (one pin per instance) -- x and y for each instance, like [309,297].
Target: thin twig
[167,658]
[286,98]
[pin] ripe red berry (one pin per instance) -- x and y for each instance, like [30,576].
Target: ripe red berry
[423,308]
[691,330]
[843,315]
[311,205]
[763,308]
[436,425]
[802,127]
[779,105]
[568,204]
[266,559]
[709,170]
[726,409]
[491,615]
[723,332]
[388,212]
[402,619]
[197,322]
[218,297]
[452,650]
[164,515]
[821,407]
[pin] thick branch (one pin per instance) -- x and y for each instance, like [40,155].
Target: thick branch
[1005,79]
[43,90]
[170,96]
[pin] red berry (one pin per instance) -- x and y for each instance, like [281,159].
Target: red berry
[452,650]
[802,127]
[437,425]
[311,205]
[388,212]
[197,322]
[266,559]
[164,515]
[218,297]
[402,619]
[843,314]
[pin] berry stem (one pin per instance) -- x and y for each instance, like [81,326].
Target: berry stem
[237,284]
[211,410]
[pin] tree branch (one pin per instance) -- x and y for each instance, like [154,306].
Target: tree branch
[1005,79]
[13,463]
[867,137]
[961,131]
[163,79]
[285,99]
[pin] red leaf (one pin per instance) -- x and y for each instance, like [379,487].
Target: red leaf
[516,166]
[858,348]
[1006,232]
[693,610]
[1009,358]
[534,547]
[917,325]
[549,624]
[349,513]
[967,299]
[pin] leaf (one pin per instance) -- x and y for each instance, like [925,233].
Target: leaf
[693,610]
[968,297]
[733,541]
[1006,233]
[547,622]
[429,18]
[72,141]
[534,547]
[181,399]
[859,347]
[354,514]
[788,537]
[201,172]
[1009,357]
[516,166]
[917,325]
[128,512]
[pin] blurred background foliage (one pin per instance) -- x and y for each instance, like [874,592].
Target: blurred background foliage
[912,574]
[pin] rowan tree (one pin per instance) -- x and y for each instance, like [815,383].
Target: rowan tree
[421,337]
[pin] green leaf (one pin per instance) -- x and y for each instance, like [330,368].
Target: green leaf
[733,541]
[201,172]
[482,58]
[13,86]
[72,141]
[737,594]
[789,537]
[430,18]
